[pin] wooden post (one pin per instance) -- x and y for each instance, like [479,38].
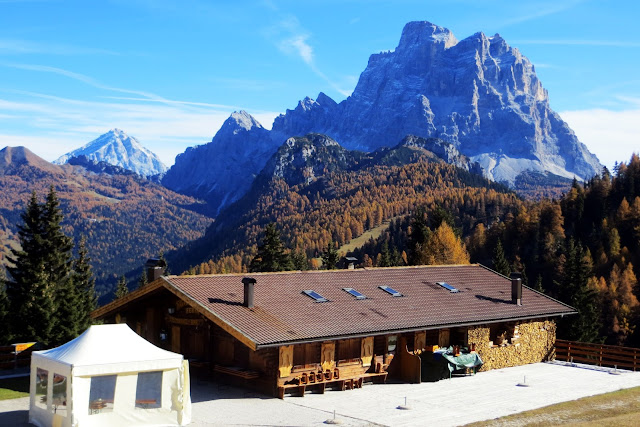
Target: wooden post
[285,363]
[175,339]
[366,351]
[327,355]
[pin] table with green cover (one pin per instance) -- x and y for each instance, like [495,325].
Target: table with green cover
[441,363]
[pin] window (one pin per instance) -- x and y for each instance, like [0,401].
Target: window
[354,293]
[448,287]
[59,397]
[149,390]
[348,349]
[392,343]
[316,296]
[391,291]
[306,354]
[42,381]
[101,393]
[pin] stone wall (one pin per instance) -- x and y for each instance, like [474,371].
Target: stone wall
[526,342]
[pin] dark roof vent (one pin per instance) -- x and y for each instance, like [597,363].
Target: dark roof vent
[516,288]
[155,268]
[248,283]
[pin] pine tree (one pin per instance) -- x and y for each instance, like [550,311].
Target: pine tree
[85,285]
[58,247]
[419,235]
[500,263]
[121,288]
[143,280]
[5,336]
[574,290]
[385,256]
[271,254]
[30,290]
[300,261]
[330,257]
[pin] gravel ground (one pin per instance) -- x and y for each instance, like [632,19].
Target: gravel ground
[458,401]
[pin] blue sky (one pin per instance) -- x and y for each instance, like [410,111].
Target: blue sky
[170,72]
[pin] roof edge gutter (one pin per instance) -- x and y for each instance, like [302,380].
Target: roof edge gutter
[420,328]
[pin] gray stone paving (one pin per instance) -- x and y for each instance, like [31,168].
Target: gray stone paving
[458,401]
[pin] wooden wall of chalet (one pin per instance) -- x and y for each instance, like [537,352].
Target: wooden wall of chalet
[524,342]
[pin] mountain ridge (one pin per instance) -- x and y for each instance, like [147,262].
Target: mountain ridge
[479,95]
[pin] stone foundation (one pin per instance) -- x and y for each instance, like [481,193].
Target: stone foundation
[524,343]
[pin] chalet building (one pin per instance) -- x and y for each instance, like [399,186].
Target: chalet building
[291,331]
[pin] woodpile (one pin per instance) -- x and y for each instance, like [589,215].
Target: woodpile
[527,342]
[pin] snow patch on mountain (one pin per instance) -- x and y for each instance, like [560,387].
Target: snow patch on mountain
[119,149]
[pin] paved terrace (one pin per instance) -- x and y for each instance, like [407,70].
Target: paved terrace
[458,401]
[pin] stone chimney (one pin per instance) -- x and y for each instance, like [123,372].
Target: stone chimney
[351,262]
[249,283]
[155,267]
[516,288]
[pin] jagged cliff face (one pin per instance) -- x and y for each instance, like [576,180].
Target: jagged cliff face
[222,171]
[119,149]
[479,94]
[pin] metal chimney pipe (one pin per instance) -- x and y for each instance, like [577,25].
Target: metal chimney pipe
[249,283]
[516,288]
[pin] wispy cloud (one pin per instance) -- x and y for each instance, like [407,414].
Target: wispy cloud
[536,11]
[298,44]
[292,39]
[85,79]
[29,47]
[56,125]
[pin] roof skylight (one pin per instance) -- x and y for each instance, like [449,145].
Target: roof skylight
[390,290]
[314,295]
[354,293]
[448,287]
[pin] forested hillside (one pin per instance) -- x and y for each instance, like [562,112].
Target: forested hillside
[125,218]
[344,198]
[583,249]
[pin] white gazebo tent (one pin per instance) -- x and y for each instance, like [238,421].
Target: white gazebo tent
[109,376]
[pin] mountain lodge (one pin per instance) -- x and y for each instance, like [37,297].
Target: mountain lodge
[289,331]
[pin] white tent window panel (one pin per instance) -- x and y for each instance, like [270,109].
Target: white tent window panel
[149,390]
[59,399]
[101,394]
[42,381]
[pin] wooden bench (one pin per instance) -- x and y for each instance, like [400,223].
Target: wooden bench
[237,372]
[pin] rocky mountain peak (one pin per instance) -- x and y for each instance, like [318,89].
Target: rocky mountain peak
[418,34]
[117,148]
[478,94]
[239,121]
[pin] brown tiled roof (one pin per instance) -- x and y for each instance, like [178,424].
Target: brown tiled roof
[283,314]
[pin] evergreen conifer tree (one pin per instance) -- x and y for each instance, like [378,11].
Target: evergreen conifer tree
[85,285]
[500,263]
[330,257]
[574,290]
[30,291]
[58,263]
[385,256]
[5,336]
[143,280]
[271,254]
[121,288]
[300,261]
